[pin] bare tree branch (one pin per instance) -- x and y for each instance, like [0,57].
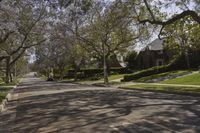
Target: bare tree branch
[190,13]
[149,9]
[2,40]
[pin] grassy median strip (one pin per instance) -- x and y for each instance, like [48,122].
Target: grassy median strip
[165,88]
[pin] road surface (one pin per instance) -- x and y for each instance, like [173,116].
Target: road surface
[51,107]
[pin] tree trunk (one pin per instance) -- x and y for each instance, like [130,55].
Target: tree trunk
[7,79]
[187,59]
[105,68]
[11,77]
[75,73]
[185,50]
[61,69]
[105,71]
[108,65]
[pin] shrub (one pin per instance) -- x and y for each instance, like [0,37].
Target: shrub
[92,72]
[84,73]
[95,72]
[120,70]
[2,79]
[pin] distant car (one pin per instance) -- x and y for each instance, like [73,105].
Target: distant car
[50,79]
[35,74]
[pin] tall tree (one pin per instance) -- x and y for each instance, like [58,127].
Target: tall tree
[27,24]
[181,36]
[110,30]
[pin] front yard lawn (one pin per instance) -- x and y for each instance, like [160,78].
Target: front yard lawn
[5,88]
[8,85]
[4,91]
[193,79]
[114,77]
[110,78]
[2,96]
[165,88]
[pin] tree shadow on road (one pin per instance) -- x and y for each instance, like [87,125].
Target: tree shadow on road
[111,111]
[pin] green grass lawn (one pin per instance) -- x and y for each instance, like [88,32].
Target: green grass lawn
[5,88]
[193,79]
[113,77]
[1,80]
[155,76]
[165,88]
[9,84]
[4,91]
[110,78]
[2,96]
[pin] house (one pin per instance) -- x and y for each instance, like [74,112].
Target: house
[153,54]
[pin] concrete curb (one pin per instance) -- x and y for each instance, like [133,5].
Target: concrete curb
[164,91]
[74,83]
[101,85]
[7,99]
[95,85]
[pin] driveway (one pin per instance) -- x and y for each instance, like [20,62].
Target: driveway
[51,107]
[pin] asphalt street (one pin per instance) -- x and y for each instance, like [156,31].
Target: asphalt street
[38,106]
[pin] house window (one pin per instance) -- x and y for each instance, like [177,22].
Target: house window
[160,62]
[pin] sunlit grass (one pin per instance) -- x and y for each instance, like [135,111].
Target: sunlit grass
[193,79]
[2,96]
[165,88]
[5,88]
[4,91]
[114,77]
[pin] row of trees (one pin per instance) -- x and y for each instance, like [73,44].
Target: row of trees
[94,34]
[80,33]
[20,29]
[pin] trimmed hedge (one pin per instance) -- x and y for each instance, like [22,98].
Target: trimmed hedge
[147,72]
[84,73]
[2,79]
[95,72]
[120,70]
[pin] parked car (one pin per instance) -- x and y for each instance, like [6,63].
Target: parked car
[50,79]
